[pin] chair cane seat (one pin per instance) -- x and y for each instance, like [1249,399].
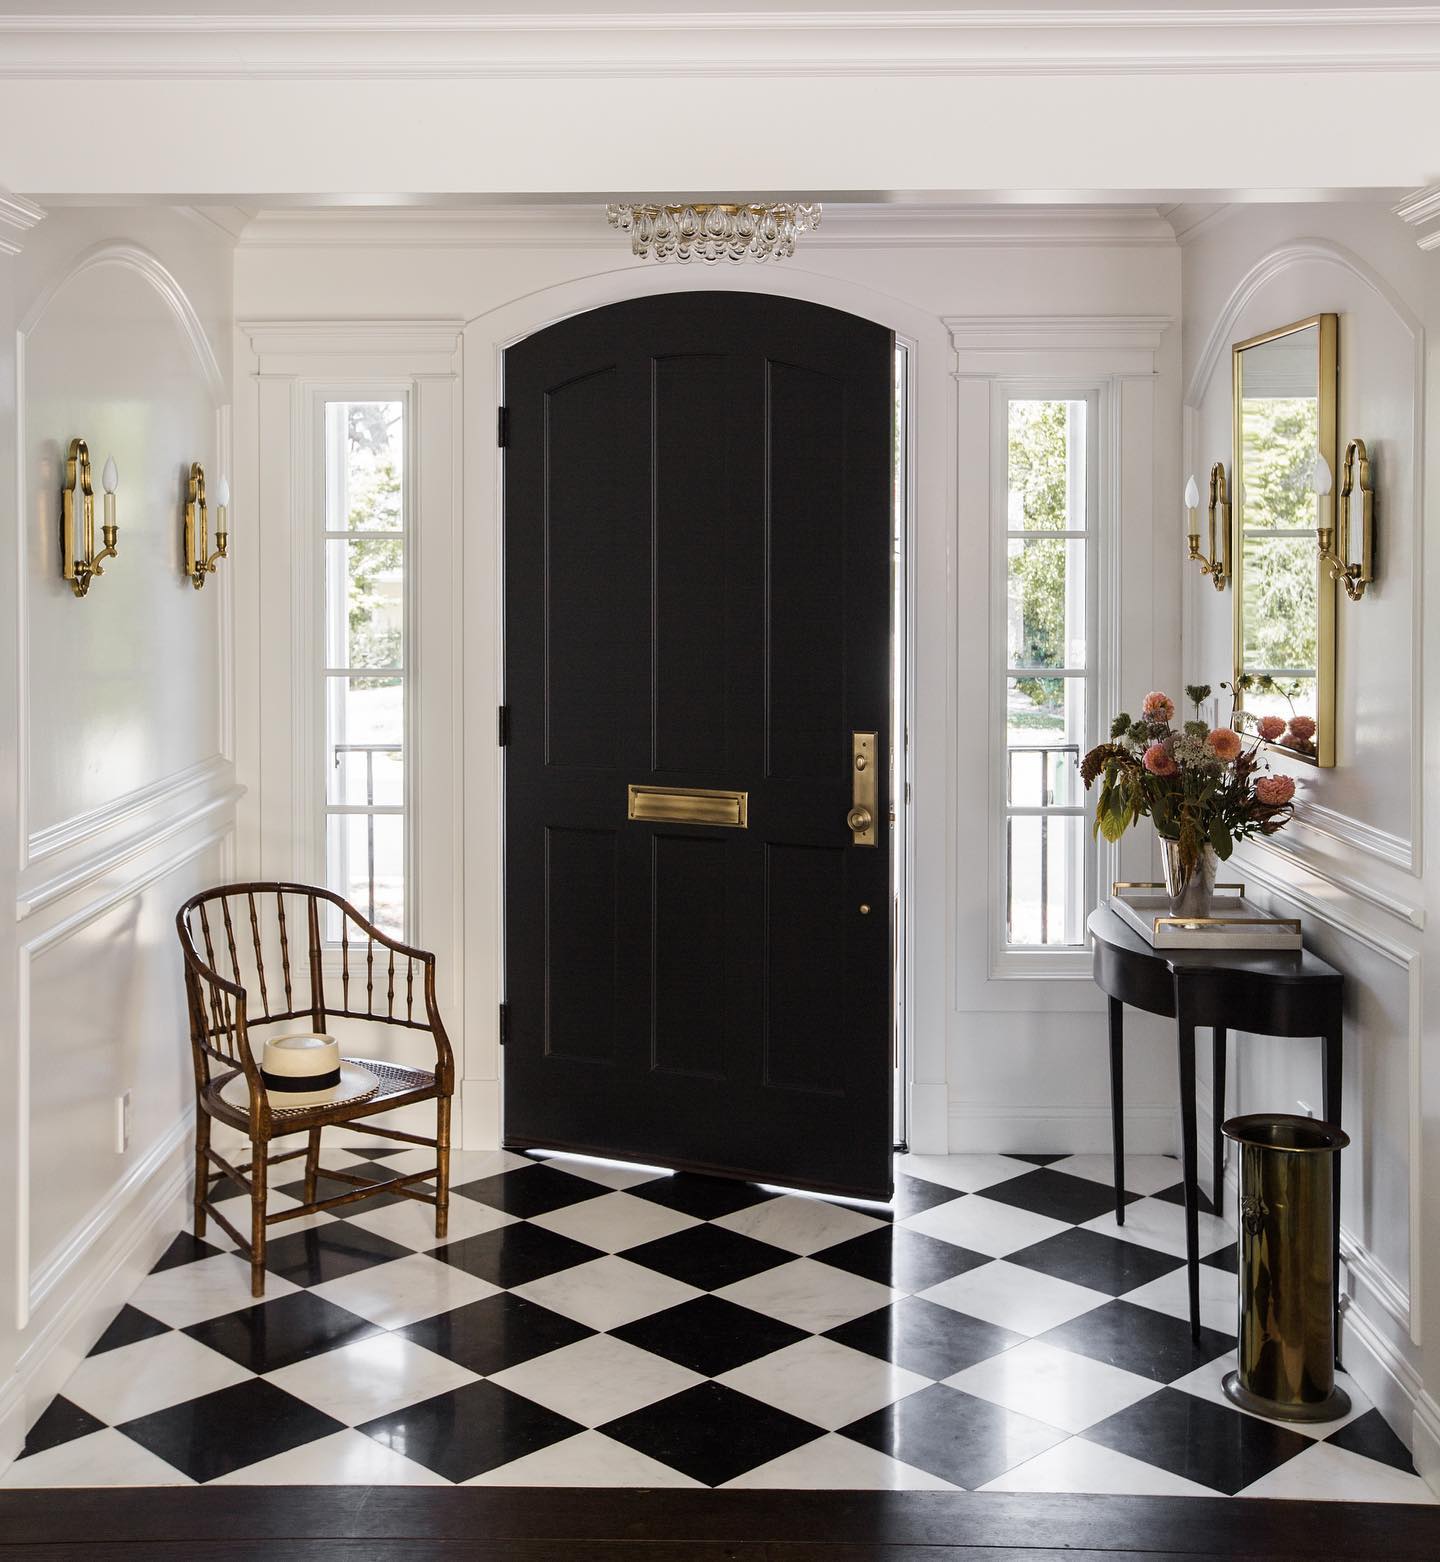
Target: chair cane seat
[395,1079]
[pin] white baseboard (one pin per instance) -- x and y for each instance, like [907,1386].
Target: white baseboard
[118,1256]
[929,1104]
[479,1114]
[1393,1384]
[1057,1130]
[1425,1449]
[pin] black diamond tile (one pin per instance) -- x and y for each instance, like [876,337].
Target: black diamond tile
[1371,1435]
[954,1435]
[531,1190]
[1226,1258]
[329,1251]
[229,1429]
[1201,1441]
[709,1335]
[60,1422]
[912,1196]
[498,1332]
[1092,1259]
[907,1260]
[515,1254]
[470,1430]
[1176,1195]
[1140,1340]
[274,1334]
[373,1155]
[1037,1160]
[706,1198]
[924,1337]
[711,1433]
[185,1249]
[1057,1194]
[708,1256]
[128,1326]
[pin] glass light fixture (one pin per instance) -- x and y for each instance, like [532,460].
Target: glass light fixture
[715,231]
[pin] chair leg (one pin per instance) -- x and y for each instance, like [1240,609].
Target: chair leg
[202,1169]
[442,1166]
[312,1165]
[259,1187]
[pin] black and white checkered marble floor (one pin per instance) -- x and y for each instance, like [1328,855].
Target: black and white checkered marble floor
[596,1325]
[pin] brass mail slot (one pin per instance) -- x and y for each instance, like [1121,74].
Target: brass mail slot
[690,805]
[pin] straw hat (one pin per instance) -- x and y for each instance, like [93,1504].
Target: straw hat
[304,1070]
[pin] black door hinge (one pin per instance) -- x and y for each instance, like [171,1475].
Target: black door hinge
[502,725]
[502,426]
[504,1023]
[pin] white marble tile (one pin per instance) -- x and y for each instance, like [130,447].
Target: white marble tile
[612,1174]
[469,1165]
[596,1380]
[964,1173]
[1080,1466]
[606,1292]
[370,1378]
[985,1225]
[347,1458]
[809,1295]
[834,1463]
[404,1290]
[190,1293]
[1157,1224]
[799,1224]
[1143,1173]
[1015,1297]
[824,1382]
[1325,1473]
[615,1221]
[105,1458]
[413,1224]
[1204,1382]
[1171,1294]
[587,1459]
[1058,1387]
[119,1385]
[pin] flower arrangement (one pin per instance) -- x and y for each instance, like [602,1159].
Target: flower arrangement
[1202,786]
[1296,732]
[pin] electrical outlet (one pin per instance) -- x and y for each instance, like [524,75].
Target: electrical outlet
[122,1123]
[1306,1109]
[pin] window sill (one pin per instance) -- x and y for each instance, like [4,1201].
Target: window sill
[1041,965]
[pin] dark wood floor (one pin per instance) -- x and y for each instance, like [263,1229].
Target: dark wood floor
[388,1524]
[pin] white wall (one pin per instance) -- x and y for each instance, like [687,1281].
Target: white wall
[1352,865]
[116,734]
[998,1064]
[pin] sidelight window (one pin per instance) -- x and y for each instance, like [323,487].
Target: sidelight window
[1044,678]
[366,662]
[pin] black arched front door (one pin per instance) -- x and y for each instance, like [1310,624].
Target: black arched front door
[698,524]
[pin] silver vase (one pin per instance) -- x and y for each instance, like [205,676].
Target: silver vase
[1191,894]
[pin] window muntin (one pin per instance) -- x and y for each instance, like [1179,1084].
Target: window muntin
[366,640]
[1046,682]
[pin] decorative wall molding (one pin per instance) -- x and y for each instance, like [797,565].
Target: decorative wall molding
[17,217]
[1055,333]
[897,225]
[1343,883]
[1355,834]
[1421,211]
[358,338]
[1091,40]
[1387,1376]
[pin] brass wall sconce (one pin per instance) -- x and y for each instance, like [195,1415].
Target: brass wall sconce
[199,561]
[1215,564]
[1353,575]
[82,567]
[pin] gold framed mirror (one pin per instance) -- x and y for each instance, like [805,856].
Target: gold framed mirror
[1286,415]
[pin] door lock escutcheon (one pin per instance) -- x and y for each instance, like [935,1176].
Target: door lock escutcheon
[863,790]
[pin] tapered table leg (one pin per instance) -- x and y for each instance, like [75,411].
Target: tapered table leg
[1330,1105]
[1117,1102]
[1217,1113]
[1185,1049]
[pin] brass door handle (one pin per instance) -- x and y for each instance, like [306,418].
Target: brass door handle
[864,790]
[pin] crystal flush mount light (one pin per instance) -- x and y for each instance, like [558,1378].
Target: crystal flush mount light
[713,232]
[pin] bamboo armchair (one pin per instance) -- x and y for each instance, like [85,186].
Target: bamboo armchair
[241,976]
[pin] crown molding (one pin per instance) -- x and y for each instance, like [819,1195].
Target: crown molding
[1421,211]
[17,217]
[1208,40]
[583,226]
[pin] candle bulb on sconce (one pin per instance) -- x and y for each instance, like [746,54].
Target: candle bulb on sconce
[1192,514]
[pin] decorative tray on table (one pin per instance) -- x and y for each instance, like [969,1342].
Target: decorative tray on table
[1232,924]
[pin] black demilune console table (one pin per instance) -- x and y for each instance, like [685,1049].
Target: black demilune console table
[1264,992]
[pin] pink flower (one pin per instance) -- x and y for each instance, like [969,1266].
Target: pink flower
[1302,727]
[1224,744]
[1270,727]
[1274,791]
[1158,706]
[1159,761]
